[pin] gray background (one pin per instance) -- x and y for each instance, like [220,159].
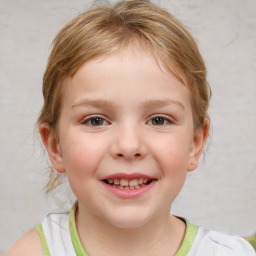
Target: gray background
[221,194]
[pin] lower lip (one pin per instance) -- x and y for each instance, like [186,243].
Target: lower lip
[129,193]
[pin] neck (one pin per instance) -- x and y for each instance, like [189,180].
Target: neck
[162,235]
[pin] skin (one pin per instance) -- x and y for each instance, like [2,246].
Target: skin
[144,126]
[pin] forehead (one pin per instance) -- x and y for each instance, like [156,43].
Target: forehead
[128,74]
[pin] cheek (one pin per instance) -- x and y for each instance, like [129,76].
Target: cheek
[171,153]
[82,156]
[80,163]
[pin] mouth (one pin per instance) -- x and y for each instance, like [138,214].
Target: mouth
[131,184]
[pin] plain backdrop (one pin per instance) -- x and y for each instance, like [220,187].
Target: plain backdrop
[221,194]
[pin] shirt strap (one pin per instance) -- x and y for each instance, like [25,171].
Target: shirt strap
[190,235]
[39,229]
[79,249]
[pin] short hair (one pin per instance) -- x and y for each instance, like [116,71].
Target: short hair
[105,29]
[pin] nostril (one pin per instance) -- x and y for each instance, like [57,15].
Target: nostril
[137,155]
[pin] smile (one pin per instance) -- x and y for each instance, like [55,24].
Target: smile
[128,186]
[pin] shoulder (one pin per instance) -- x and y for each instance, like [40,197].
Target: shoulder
[222,244]
[29,244]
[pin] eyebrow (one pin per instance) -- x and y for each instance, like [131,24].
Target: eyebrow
[94,103]
[161,103]
[146,104]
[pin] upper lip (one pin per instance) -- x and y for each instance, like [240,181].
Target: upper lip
[128,176]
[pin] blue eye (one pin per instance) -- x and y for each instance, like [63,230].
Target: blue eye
[159,121]
[95,121]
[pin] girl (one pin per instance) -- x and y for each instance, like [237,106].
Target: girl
[125,118]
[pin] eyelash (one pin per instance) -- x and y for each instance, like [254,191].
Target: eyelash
[95,118]
[164,119]
[102,121]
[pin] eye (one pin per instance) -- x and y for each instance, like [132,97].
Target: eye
[95,121]
[159,121]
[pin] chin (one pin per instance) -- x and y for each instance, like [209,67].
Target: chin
[128,219]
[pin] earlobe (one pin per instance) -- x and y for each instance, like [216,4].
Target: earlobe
[199,140]
[52,146]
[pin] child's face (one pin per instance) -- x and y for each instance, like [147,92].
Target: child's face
[125,118]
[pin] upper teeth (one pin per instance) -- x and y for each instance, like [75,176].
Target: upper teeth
[131,183]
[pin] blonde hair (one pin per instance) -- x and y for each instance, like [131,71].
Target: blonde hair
[105,29]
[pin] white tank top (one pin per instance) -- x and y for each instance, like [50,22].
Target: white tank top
[60,238]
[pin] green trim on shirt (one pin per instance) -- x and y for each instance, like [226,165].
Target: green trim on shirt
[189,238]
[251,240]
[79,249]
[39,229]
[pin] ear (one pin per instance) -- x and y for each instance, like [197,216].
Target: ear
[52,146]
[199,140]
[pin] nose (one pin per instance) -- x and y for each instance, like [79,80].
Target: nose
[128,143]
